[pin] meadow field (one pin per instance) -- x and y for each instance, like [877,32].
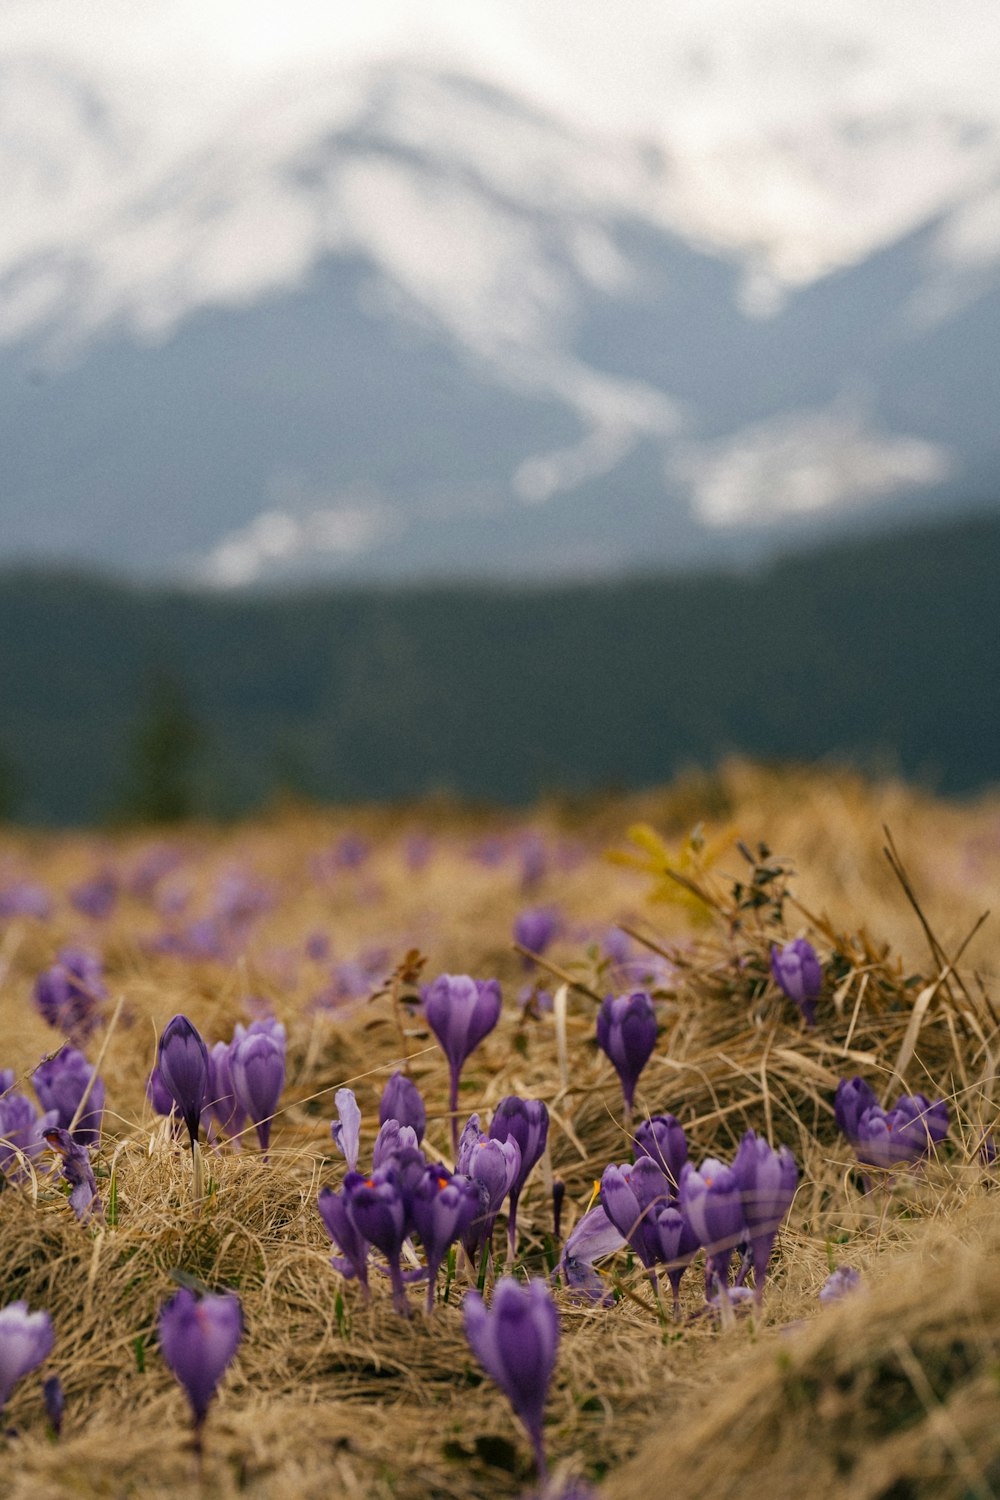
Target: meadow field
[331,923]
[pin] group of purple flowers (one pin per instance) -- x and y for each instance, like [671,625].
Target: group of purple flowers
[406,1195]
[904,1135]
[227,1089]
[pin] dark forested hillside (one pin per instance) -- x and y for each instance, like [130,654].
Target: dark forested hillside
[883,650]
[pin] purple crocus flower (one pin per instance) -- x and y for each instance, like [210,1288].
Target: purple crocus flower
[25,899]
[67,995]
[341,1228]
[198,1338]
[662,1137]
[182,1060]
[392,1138]
[222,1101]
[346,1129]
[535,928]
[798,973]
[921,1121]
[626,1031]
[767,1182]
[78,1172]
[493,1166]
[525,1121]
[888,1139]
[22,1128]
[678,1247]
[25,1341]
[402,1100]
[632,1196]
[593,1238]
[96,897]
[460,1011]
[158,1094]
[516,1340]
[853,1097]
[257,1070]
[713,1203]
[442,1208]
[61,1083]
[840,1283]
[377,1209]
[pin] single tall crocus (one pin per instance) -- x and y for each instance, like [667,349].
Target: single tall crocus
[257,1070]
[198,1338]
[442,1207]
[346,1128]
[767,1181]
[183,1065]
[460,1011]
[353,1259]
[626,1031]
[402,1100]
[798,973]
[493,1166]
[68,1084]
[377,1209]
[516,1341]
[633,1195]
[713,1204]
[662,1137]
[25,1340]
[525,1121]
[678,1248]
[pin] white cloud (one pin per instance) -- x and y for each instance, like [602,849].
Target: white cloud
[803,463]
[277,539]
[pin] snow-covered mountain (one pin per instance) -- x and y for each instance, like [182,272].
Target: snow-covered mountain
[518,287]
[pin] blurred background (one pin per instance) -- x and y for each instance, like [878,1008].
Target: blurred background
[493,399]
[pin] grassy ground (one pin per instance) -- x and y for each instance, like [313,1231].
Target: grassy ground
[892,1395]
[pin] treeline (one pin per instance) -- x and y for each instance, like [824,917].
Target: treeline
[154,703]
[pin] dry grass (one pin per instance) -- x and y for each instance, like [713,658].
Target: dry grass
[893,1395]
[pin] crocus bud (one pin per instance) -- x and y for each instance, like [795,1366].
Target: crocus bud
[799,974]
[516,1341]
[713,1204]
[257,1069]
[222,1100]
[558,1194]
[853,1097]
[68,995]
[442,1208]
[198,1339]
[678,1247]
[61,1083]
[402,1101]
[97,896]
[525,1121]
[632,1196]
[341,1228]
[535,928]
[25,1340]
[626,1031]
[767,1182]
[494,1166]
[55,1403]
[391,1139]
[924,1124]
[182,1060]
[346,1129]
[662,1137]
[461,1012]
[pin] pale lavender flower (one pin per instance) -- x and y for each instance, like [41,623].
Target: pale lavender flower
[516,1341]
[346,1128]
[198,1338]
[25,1341]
